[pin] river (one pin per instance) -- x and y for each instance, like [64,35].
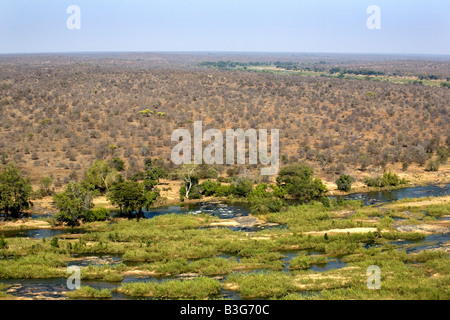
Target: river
[55,288]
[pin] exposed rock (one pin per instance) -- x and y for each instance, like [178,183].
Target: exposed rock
[243,222]
[424,228]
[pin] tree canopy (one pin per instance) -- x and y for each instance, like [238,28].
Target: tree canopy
[299,183]
[130,196]
[15,191]
[101,175]
[74,203]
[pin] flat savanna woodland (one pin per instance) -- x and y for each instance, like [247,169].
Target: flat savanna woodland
[340,114]
[75,117]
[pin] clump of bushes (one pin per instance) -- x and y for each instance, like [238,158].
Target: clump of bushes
[210,187]
[3,242]
[54,242]
[302,261]
[99,214]
[388,179]
[261,201]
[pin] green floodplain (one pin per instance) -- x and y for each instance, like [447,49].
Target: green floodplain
[308,251]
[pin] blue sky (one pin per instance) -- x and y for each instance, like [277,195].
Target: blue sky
[407,26]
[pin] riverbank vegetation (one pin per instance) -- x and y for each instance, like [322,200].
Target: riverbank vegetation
[169,249]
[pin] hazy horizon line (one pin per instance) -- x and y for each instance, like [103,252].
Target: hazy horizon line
[222,52]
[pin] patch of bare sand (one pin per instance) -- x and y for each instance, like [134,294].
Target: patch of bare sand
[426,228]
[231,286]
[246,221]
[15,298]
[103,202]
[437,200]
[24,224]
[170,190]
[337,231]
[226,223]
[43,206]
[139,273]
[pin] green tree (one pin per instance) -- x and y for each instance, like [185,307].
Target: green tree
[117,164]
[129,196]
[101,175]
[344,182]
[15,191]
[299,183]
[74,203]
[152,176]
[151,197]
[153,173]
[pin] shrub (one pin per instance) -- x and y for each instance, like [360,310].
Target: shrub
[223,191]
[373,182]
[387,180]
[209,187]
[54,242]
[405,166]
[196,192]
[182,192]
[344,182]
[206,172]
[3,243]
[99,214]
[432,165]
[266,204]
[241,187]
[442,155]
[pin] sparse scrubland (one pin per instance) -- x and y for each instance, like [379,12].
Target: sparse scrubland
[61,113]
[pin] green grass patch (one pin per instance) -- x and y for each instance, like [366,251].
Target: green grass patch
[199,288]
[262,285]
[86,292]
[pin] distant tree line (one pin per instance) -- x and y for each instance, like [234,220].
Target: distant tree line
[365,72]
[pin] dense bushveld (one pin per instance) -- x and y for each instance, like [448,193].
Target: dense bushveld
[61,113]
